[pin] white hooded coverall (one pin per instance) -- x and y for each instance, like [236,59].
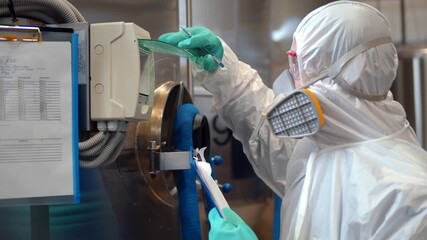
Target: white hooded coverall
[364,175]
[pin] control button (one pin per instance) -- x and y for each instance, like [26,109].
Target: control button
[99,49]
[99,88]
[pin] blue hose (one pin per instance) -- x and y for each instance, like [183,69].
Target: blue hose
[187,190]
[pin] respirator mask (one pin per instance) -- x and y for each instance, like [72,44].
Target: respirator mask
[295,111]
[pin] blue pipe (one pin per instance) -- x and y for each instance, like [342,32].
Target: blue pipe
[187,189]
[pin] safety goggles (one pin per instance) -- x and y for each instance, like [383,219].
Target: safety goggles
[295,115]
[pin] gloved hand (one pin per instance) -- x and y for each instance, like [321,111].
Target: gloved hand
[234,228]
[201,37]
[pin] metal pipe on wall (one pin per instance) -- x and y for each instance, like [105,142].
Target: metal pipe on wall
[402,21]
[189,14]
[416,68]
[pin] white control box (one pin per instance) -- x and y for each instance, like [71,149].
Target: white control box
[121,74]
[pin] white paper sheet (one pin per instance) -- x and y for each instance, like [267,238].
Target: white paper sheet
[35,120]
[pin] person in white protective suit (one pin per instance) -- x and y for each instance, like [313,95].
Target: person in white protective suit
[364,174]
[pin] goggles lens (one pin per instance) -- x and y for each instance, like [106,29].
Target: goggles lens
[293,64]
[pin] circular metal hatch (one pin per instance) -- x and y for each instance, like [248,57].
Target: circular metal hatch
[160,131]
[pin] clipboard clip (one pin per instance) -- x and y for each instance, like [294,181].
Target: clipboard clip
[20,33]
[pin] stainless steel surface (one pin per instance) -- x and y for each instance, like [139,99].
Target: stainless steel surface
[189,19]
[146,205]
[174,161]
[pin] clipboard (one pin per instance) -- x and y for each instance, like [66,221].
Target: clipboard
[38,116]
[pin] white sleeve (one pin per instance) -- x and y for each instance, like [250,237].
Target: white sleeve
[239,95]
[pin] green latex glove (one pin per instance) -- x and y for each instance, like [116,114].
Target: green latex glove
[201,37]
[234,228]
